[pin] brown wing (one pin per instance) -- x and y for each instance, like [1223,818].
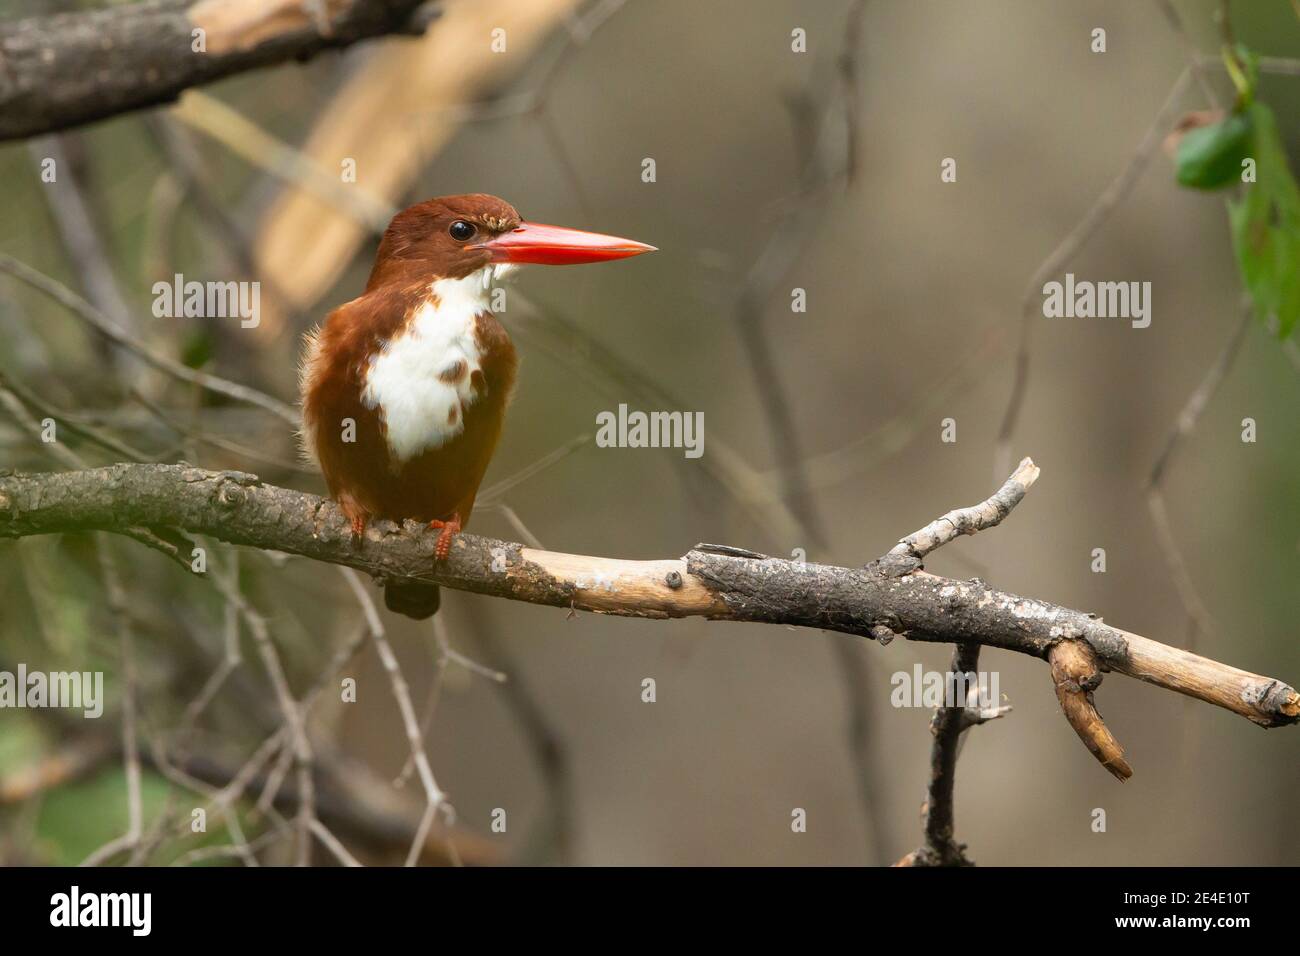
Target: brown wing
[345,436]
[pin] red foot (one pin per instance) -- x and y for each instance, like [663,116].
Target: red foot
[356,515]
[449,529]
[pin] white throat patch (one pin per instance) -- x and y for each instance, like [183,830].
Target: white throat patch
[421,380]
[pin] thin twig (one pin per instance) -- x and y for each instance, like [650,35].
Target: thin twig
[332,844]
[437,800]
[911,551]
[118,609]
[941,847]
[79,236]
[1183,426]
[1097,213]
[291,711]
[117,603]
[117,336]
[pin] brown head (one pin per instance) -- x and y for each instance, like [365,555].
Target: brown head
[450,237]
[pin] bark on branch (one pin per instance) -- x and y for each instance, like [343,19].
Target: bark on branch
[66,69]
[1076,676]
[941,847]
[714,582]
[908,554]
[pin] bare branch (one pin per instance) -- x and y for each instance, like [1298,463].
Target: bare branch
[436,799]
[117,336]
[209,115]
[1183,425]
[117,603]
[1076,675]
[1076,239]
[79,233]
[941,848]
[735,586]
[66,69]
[908,553]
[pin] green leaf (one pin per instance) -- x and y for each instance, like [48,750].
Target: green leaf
[1209,157]
[1265,227]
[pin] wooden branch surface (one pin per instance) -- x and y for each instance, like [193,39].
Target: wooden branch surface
[65,69]
[1076,676]
[908,553]
[941,847]
[718,584]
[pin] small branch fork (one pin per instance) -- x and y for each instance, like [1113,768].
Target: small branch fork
[892,596]
[1074,667]
[906,556]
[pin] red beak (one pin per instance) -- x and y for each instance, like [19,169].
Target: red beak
[532,242]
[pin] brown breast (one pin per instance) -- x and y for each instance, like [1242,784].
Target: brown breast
[346,406]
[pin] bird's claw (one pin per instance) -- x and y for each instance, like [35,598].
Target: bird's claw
[447,530]
[357,517]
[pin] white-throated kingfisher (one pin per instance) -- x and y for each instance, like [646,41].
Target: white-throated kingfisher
[404,389]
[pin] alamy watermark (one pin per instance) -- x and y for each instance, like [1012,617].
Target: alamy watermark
[922,688]
[208,300]
[77,690]
[638,429]
[1084,299]
[75,908]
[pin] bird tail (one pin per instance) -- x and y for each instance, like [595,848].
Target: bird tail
[412,598]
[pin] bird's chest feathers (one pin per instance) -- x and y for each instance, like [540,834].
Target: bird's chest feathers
[430,372]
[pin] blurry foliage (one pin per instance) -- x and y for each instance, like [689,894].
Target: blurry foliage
[1265,221]
[20,745]
[1266,228]
[79,817]
[1210,157]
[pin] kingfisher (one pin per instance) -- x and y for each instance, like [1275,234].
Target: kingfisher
[404,389]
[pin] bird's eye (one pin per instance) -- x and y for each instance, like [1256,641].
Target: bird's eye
[462,231]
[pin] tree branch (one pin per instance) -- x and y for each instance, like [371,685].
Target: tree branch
[950,721]
[715,583]
[65,69]
[908,553]
[941,847]
[1076,676]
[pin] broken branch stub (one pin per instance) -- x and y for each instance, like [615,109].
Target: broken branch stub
[1076,675]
